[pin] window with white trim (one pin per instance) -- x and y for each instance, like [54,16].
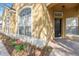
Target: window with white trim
[25,22]
[0,23]
[72,25]
[7,24]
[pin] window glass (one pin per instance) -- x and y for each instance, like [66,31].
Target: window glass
[72,25]
[25,22]
[28,30]
[21,30]
[7,24]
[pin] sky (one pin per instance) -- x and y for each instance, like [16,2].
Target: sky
[2,7]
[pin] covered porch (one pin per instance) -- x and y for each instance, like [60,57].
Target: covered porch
[65,20]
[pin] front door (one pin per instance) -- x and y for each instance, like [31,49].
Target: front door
[58,27]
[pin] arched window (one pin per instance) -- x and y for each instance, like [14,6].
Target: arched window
[25,22]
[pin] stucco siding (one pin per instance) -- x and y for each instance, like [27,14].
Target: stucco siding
[41,23]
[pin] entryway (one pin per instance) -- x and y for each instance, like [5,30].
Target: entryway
[58,26]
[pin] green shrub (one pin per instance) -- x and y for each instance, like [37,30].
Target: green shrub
[18,47]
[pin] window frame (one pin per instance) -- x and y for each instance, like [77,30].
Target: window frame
[72,25]
[19,20]
[7,23]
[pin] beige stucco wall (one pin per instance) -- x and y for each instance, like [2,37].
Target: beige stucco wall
[12,23]
[42,25]
[42,19]
[4,19]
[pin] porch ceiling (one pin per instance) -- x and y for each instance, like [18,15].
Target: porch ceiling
[62,5]
[50,5]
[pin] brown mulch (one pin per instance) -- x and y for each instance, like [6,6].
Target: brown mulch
[29,51]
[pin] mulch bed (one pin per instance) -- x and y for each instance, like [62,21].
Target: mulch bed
[29,51]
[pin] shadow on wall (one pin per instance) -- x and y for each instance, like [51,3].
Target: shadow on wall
[42,26]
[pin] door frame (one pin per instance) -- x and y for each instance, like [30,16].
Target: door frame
[61,26]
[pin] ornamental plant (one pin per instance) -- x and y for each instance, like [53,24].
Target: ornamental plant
[18,45]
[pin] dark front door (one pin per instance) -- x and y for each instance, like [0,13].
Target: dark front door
[58,27]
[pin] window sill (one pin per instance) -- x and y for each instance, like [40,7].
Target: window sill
[72,37]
